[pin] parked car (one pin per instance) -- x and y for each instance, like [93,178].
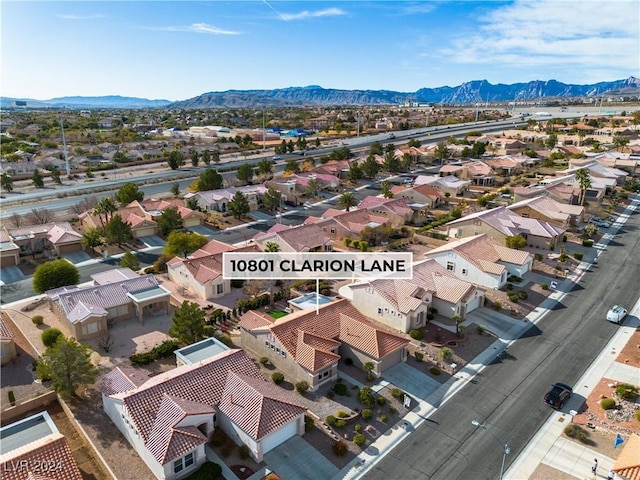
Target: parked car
[616,314]
[277,157]
[557,395]
[599,223]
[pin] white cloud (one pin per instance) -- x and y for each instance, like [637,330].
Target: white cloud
[80,17]
[583,37]
[196,28]
[327,12]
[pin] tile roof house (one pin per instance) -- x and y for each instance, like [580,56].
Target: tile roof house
[302,238]
[402,304]
[500,223]
[447,184]
[426,194]
[7,344]
[34,449]
[627,465]
[397,210]
[9,251]
[169,418]
[218,200]
[306,345]
[559,192]
[60,237]
[481,260]
[87,311]
[201,274]
[548,210]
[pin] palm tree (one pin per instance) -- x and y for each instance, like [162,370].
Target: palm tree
[272,247]
[368,367]
[106,206]
[584,181]
[347,200]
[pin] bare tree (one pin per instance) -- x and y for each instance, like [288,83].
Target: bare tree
[40,216]
[16,221]
[86,204]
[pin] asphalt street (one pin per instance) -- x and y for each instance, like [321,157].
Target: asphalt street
[507,395]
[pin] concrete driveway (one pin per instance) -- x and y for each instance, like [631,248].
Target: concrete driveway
[203,230]
[76,257]
[10,275]
[296,459]
[503,326]
[412,381]
[152,241]
[261,216]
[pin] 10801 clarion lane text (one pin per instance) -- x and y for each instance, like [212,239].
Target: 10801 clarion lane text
[317,266]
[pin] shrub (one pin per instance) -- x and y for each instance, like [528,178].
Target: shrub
[497,305]
[587,243]
[481,329]
[544,286]
[330,420]
[384,418]
[396,393]
[37,320]
[330,395]
[355,244]
[577,255]
[340,388]
[538,256]
[50,337]
[302,387]
[638,415]
[342,414]
[209,331]
[522,295]
[513,297]
[225,338]
[367,414]
[392,409]
[381,401]
[340,448]
[608,403]
[165,349]
[419,356]
[446,354]
[264,360]
[627,391]
[308,423]
[509,287]
[347,241]
[341,423]
[435,371]
[359,439]
[366,397]
[416,334]
[576,431]
[277,378]
[243,451]
[358,428]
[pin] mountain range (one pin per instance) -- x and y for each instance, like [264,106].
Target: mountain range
[468,92]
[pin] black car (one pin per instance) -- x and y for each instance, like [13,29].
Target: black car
[557,395]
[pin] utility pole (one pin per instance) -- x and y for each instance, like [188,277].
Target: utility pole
[64,147]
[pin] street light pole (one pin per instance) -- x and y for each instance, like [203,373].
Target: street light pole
[505,448]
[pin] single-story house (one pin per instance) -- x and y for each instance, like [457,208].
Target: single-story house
[548,210]
[218,200]
[7,343]
[59,237]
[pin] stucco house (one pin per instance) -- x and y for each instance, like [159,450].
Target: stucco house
[87,312]
[218,200]
[559,192]
[9,251]
[168,419]
[548,210]
[447,184]
[307,345]
[58,238]
[7,344]
[424,194]
[481,260]
[500,223]
[302,238]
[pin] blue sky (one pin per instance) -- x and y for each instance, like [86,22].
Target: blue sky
[176,50]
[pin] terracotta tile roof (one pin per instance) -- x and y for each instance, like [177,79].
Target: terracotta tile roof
[304,237]
[259,408]
[364,336]
[314,352]
[37,229]
[82,300]
[253,319]
[275,228]
[442,283]
[5,331]
[399,293]
[60,235]
[628,463]
[427,191]
[122,379]
[550,207]
[484,252]
[50,450]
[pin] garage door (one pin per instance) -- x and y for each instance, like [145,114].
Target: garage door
[276,438]
[8,261]
[474,303]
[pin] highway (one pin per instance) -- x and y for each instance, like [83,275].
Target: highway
[507,395]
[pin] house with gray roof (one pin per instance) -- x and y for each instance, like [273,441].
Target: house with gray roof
[481,260]
[88,311]
[169,418]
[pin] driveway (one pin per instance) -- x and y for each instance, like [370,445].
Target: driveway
[76,257]
[412,381]
[10,275]
[296,459]
[503,326]
[204,230]
[152,241]
[261,216]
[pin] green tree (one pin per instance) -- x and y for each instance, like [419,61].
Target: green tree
[68,364]
[376,149]
[128,193]
[245,173]
[584,182]
[313,187]
[292,166]
[175,189]
[210,179]
[272,247]
[183,243]
[215,156]
[441,152]
[206,158]
[551,141]
[516,241]
[54,274]
[188,323]
[370,167]
[385,187]
[56,176]
[458,320]
[92,238]
[239,205]
[105,209]
[195,158]
[175,159]
[6,182]
[369,367]
[118,231]
[347,200]
[355,172]
[272,199]
[169,221]
[265,167]
[130,260]
[38,179]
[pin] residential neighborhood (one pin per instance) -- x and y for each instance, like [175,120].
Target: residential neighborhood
[179,369]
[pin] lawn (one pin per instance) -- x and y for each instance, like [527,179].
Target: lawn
[277,313]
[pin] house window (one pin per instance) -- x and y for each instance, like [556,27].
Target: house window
[525,215]
[219,289]
[332,230]
[266,343]
[451,266]
[182,463]
[464,271]
[379,311]
[90,328]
